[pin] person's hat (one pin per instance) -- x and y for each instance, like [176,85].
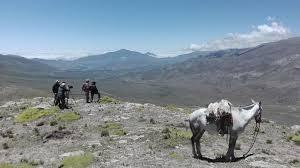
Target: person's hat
[87,80]
[57,81]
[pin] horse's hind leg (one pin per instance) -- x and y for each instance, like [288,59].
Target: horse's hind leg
[197,139]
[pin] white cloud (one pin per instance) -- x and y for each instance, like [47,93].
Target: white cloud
[271,18]
[264,33]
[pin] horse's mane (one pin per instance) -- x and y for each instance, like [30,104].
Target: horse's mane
[247,107]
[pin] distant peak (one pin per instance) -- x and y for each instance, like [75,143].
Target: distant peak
[150,54]
[124,50]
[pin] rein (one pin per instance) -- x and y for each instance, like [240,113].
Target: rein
[256,131]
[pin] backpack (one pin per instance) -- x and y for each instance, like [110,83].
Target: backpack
[85,87]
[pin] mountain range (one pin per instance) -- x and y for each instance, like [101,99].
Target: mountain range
[118,60]
[269,72]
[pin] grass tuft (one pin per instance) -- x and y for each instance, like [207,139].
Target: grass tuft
[296,139]
[113,128]
[269,141]
[68,116]
[172,107]
[109,100]
[175,155]
[31,114]
[173,136]
[19,165]
[81,161]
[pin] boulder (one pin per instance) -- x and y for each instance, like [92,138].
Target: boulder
[295,129]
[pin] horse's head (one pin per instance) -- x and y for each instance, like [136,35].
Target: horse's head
[258,112]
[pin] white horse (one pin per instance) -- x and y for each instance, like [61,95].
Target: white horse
[241,116]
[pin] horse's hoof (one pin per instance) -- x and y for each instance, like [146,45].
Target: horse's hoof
[229,159]
[197,156]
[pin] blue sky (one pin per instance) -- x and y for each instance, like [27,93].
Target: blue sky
[72,28]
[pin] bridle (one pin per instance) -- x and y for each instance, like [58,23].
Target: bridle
[256,129]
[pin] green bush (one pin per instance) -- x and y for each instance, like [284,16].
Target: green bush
[296,139]
[108,100]
[173,136]
[68,116]
[81,161]
[31,114]
[19,165]
[113,128]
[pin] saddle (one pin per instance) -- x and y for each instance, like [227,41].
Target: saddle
[223,122]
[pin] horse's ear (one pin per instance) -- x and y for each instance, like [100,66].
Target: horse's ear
[259,103]
[253,101]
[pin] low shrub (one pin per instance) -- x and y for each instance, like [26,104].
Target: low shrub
[53,123]
[113,128]
[108,100]
[296,139]
[68,116]
[104,133]
[176,156]
[31,114]
[173,136]
[81,161]
[172,107]
[269,141]
[19,165]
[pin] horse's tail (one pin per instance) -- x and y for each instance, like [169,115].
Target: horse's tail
[187,124]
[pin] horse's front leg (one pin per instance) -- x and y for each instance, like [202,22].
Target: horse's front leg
[232,141]
[197,139]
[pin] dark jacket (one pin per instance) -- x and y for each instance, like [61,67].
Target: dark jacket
[93,89]
[62,90]
[55,87]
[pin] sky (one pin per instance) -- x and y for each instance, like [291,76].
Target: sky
[75,28]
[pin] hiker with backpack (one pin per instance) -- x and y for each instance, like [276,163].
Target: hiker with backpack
[94,90]
[55,91]
[61,95]
[86,89]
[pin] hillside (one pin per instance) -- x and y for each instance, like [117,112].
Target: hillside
[269,72]
[123,134]
[17,65]
[22,77]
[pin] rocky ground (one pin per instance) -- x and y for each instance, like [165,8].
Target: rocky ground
[122,134]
